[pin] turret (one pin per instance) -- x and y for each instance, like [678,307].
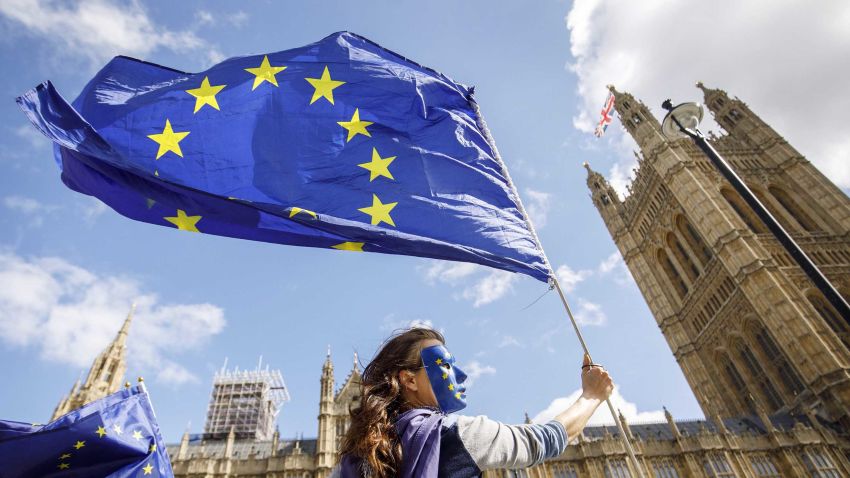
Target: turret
[184,446]
[606,200]
[325,443]
[638,120]
[672,424]
[625,424]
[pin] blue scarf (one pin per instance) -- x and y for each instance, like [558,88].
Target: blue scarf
[419,432]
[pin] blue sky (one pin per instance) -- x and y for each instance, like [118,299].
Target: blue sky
[70,268]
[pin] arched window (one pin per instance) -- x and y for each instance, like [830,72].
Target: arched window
[739,387]
[693,239]
[799,214]
[829,314]
[788,376]
[682,257]
[760,378]
[779,215]
[743,210]
[672,276]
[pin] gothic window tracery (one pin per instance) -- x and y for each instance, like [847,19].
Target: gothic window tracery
[682,257]
[743,210]
[737,382]
[771,352]
[673,277]
[780,216]
[829,314]
[693,240]
[798,213]
[759,377]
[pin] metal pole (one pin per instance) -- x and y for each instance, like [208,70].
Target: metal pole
[785,239]
[629,450]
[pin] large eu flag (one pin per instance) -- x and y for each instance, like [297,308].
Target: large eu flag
[339,144]
[114,437]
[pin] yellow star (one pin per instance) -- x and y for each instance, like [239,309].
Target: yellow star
[439,361]
[324,86]
[64,466]
[378,166]
[451,386]
[445,375]
[265,72]
[148,469]
[184,222]
[379,211]
[80,444]
[168,140]
[100,431]
[355,126]
[350,246]
[152,448]
[149,202]
[457,395]
[205,95]
[137,435]
[117,429]
[296,210]
[64,456]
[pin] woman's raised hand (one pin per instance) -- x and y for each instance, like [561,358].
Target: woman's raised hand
[595,381]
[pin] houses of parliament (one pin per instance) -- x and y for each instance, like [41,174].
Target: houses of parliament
[765,354]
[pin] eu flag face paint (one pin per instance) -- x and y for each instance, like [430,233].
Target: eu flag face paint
[446,378]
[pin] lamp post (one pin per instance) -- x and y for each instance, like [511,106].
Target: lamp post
[681,122]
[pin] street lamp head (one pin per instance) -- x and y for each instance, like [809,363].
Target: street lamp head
[684,115]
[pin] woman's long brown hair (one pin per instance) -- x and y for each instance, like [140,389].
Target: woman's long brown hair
[372,436]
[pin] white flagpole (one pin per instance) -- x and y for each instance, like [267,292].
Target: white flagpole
[638,470]
[625,438]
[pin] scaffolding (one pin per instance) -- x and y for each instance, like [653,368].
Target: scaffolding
[245,401]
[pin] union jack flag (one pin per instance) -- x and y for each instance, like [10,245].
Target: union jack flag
[607,116]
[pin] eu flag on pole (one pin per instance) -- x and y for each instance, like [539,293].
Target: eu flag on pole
[339,144]
[114,437]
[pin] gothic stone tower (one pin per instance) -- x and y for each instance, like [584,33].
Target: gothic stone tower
[748,329]
[105,375]
[334,417]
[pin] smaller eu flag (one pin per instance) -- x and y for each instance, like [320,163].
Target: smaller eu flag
[339,144]
[114,437]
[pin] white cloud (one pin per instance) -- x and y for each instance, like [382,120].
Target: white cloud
[656,49]
[99,29]
[23,204]
[32,208]
[204,17]
[509,341]
[479,287]
[495,285]
[537,206]
[569,279]
[615,265]
[474,370]
[69,314]
[447,272]
[32,136]
[602,416]
[589,313]
[93,209]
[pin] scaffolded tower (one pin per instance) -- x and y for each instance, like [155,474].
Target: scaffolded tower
[245,401]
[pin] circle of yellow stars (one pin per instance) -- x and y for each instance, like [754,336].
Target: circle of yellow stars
[168,141]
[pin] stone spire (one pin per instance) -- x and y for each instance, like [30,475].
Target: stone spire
[673,427]
[105,376]
[638,120]
[325,442]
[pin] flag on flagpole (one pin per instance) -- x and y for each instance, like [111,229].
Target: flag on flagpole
[607,116]
[114,437]
[341,144]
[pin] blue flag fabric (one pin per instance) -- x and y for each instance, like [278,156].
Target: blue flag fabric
[339,144]
[114,437]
